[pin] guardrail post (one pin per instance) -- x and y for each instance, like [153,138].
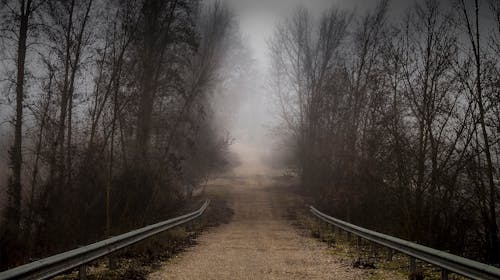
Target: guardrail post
[373,250]
[330,227]
[82,272]
[340,232]
[390,253]
[444,274]
[358,244]
[111,263]
[413,264]
[348,237]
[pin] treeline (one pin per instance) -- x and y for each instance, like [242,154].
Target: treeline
[111,116]
[394,124]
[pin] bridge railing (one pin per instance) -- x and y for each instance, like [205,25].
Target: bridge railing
[446,261]
[78,258]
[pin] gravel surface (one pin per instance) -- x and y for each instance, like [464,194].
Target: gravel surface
[259,243]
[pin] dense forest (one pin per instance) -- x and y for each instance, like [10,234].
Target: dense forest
[111,117]
[393,123]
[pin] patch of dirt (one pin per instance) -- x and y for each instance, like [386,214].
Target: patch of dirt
[363,264]
[258,243]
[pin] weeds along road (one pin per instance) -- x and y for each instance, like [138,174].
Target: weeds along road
[258,243]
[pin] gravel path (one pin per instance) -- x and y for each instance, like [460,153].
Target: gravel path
[257,244]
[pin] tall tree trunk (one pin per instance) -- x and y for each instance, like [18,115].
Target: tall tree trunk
[491,227]
[36,167]
[57,161]
[13,211]
[10,235]
[68,141]
[155,43]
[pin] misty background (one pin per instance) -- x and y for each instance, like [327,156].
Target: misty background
[246,109]
[254,114]
[125,109]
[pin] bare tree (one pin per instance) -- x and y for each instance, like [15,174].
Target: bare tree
[20,26]
[471,20]
[303,63]
[396,117]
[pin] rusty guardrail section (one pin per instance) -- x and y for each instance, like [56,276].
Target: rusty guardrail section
[446,261]
[78,258]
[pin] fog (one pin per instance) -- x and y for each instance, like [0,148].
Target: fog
[117,114]
[246,110]
[254,115]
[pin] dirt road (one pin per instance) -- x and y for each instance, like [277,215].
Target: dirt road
[259,243]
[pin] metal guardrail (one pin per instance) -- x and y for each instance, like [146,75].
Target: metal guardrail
[446,261]
[57,264]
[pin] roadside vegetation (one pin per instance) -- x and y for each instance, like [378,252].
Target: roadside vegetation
[392,123]
[138,261]
[107,115]
[345,248]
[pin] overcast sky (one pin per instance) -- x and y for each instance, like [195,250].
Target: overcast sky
[257,18]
